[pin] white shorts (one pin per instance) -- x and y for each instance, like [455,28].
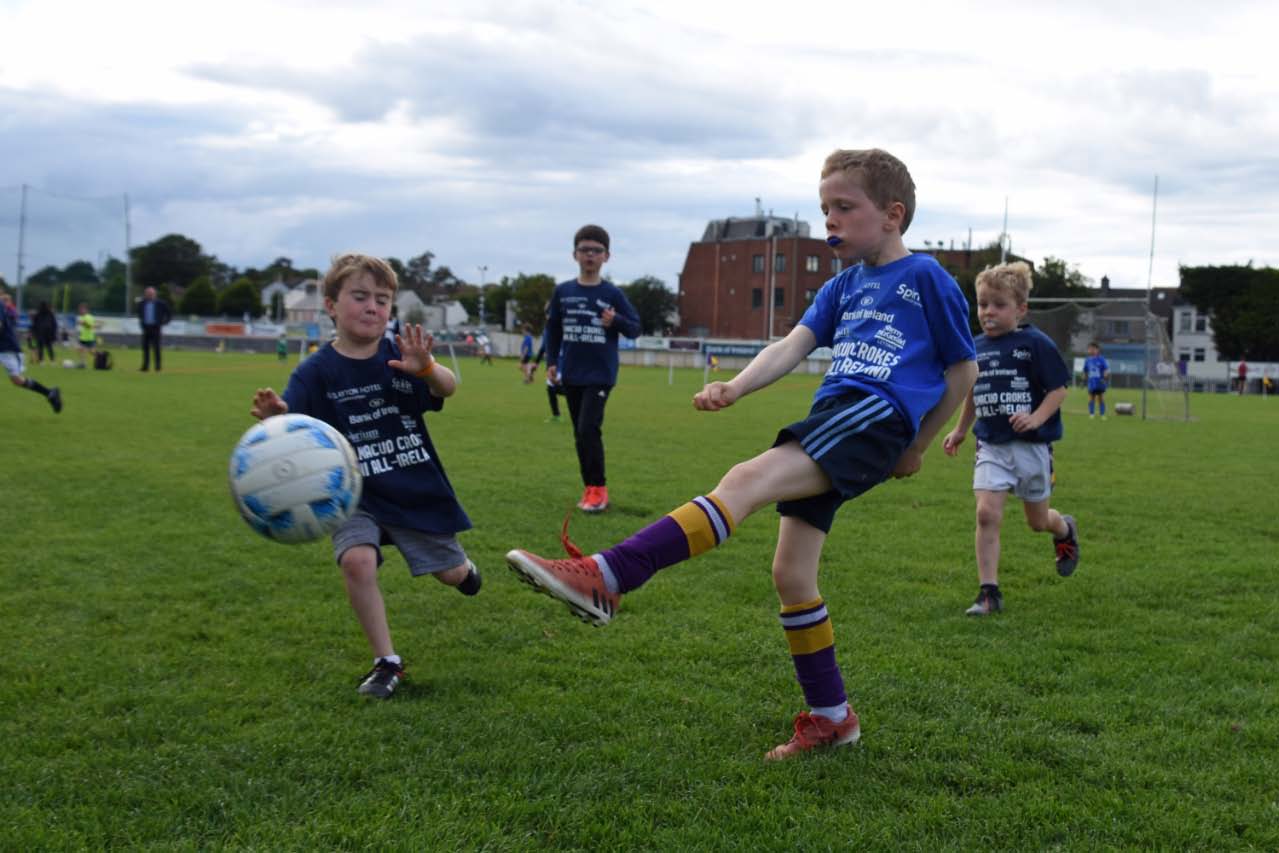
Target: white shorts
[12,363]
[1025,468]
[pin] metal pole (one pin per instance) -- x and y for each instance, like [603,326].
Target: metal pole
[1003,235]
[483,269]
[128,257]
[1154,207]
[22,233]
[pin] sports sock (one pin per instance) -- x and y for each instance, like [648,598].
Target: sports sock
[811,639]
[392,659]
[836,713]
[37,387]
[687,531]
[1103,408]
[1091,408]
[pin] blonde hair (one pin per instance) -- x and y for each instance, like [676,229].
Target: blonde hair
[353,263]
[1014,278]
[883,177]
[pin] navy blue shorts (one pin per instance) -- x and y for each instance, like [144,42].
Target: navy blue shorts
[856,439]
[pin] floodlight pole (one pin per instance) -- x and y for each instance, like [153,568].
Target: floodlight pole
[483,269]
[1003,235]
[128,256]
[22,233]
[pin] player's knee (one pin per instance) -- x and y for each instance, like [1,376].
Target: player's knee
[989,516]
[453,576]
[359,564]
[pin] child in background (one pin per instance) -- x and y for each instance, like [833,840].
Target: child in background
[526,355]
[588,314]
[1097,372]
[13,360]
[1016,404]
[375,392]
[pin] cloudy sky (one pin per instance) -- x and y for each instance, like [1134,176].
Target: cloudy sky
[486,132]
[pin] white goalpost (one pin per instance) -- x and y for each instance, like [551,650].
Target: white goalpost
[1134,342]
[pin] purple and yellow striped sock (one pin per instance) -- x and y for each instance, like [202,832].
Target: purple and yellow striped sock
[811,639]
[692,529]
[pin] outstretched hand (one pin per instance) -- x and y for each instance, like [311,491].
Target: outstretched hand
[951,442]
[267,403]
[415,350]
[715,396]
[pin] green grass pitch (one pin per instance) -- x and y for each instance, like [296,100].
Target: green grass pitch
[171,681]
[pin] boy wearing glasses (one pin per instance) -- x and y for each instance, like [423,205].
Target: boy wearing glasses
[586,316]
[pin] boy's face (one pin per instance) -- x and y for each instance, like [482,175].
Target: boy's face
[1092,350]
[362,308]
[998,311]
[852,217]
[591,256]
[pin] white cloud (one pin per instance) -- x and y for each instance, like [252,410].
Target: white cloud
[488,131]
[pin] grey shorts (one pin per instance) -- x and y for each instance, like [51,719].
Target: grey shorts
[1023,467]
[12,362]
[426,553]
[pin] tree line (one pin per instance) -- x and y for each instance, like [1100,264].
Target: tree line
[198,283]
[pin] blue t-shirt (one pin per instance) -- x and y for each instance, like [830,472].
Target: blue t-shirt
[526,347]
[589,354]
[1095,369]
[1014,373]
[894,330]
[379,410]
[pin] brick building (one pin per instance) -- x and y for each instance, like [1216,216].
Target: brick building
[751,278]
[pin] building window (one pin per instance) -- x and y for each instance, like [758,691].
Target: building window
[1183,355]
[834,266]
[1183,320]
[1119,328]
[1201,323]
[779,298]
[812,263]
[1199,354]
[809,296]
[779,262]
[757,263]
[757,297]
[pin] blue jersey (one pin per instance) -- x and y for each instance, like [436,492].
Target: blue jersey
[526,347]
[1095,370]
[379,410]
[589,351]
[1014,373]
[894,330]
[8,332]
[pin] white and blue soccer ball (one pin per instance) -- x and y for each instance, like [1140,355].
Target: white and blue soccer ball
[294,478]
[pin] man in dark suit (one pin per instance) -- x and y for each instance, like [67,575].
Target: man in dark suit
[152,314]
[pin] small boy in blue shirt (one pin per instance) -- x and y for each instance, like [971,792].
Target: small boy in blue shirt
[587,315]
[1097,372]
[375,391]
[903,362]
[1016,404]
[526,354]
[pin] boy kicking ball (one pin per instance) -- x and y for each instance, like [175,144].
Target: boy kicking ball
[903,362]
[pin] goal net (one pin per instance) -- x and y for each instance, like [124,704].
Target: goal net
[1144,370]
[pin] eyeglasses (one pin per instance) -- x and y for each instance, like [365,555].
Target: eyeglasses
[591,250]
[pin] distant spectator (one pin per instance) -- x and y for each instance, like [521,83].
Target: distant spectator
[153,314]
[1243,377]
[44,328]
